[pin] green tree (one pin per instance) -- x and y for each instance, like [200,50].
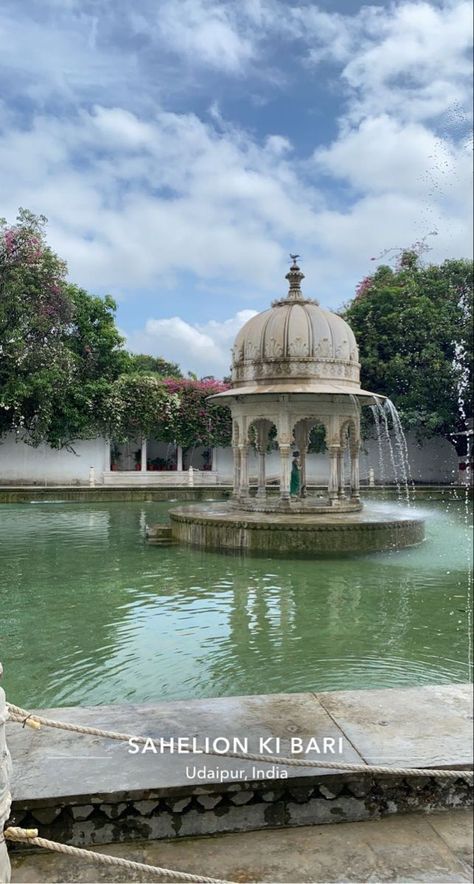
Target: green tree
[196,422]
[414,330]
[64,373]
[140,406]
[140,363]
[36,366]
[98,359]
[59,346]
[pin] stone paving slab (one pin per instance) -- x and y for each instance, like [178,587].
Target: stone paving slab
[435,848]
[411,727]
[54,764]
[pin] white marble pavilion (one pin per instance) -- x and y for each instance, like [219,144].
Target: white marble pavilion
[295,366]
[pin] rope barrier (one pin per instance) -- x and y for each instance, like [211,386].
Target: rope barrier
[30,719]
[30,836]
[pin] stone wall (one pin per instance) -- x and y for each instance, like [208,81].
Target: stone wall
[238,807]
[434,461]
[22,464]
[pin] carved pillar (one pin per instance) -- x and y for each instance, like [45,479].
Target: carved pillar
[285,452]
[107,455]
[284,443]
[261,490]
[244,470]
[143,456]
[340,473]
[302,441]
[333,485]
[355,481]
[236,460]
[263,433]
[179,459]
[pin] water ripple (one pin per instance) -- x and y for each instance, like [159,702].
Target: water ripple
[92,614]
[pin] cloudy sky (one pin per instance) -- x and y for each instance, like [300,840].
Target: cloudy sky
[181,149]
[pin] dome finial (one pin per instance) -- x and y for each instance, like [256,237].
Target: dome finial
[294,277]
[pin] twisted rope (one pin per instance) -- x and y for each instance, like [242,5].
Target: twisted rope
[30,719]
[30,836]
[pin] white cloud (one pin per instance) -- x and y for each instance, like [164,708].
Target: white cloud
[138,196]
[131,202]
[383,154]
[205,33]
[203,349]
[411,59]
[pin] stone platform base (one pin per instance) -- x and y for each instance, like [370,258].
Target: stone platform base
[83,790]
[296,505]
[221,526]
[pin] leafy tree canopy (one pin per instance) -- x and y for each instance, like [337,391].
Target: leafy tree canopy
[414,330]
[154,365]
[64,373]
[139,406]
[36,366]
[197,422]
[59,345]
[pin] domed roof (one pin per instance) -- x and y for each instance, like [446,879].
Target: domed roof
[296,341]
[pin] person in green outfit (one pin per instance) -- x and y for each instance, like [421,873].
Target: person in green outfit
[295,481]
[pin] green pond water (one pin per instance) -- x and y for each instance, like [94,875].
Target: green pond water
[91,613]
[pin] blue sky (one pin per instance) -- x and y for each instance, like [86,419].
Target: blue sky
[182,148]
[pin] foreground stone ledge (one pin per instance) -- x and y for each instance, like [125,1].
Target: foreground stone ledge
[86,790]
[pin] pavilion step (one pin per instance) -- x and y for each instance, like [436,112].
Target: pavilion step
[160,535]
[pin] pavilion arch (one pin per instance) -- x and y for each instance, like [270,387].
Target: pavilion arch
[349,440]
[260,432]
[349,433]
[302,431]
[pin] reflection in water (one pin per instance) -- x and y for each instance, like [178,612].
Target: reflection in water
[92,614]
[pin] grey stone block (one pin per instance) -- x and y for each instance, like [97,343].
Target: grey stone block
[180,805]
[359,788]
[319,810]
[81,811]
[209,801]
[113,810]
[331,791]
[242,797]
[301,793]
[161,826]
[235,819]
[347,808]
[145,807]
[93,832]
[46,814]
[275,795]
